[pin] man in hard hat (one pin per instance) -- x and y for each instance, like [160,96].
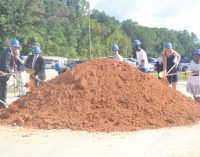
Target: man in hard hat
[35,65]
[59,68]
[7,64]
[115,51]
[141,56]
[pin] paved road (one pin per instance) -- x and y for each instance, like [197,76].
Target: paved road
[50,73]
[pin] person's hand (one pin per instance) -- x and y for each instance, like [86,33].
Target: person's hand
[2,73]
[17,53]
[30,70]
[164,73]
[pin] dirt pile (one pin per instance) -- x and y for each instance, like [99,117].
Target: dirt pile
[102,95]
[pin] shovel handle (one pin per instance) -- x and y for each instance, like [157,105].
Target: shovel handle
[170,69]
[161,74]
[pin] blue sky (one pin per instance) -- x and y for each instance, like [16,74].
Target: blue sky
[171,14]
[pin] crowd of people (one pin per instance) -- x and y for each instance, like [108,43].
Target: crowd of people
[12,63]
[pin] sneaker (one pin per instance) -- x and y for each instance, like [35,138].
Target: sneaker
[3,104]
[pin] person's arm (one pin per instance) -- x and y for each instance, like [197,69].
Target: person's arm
[164,61]
[178,56]
[17,57]
[6,58]
[142,58]
[193,68]
[2,73]
[20,60]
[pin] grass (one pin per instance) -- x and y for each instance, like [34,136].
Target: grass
[11,89]
[182,76]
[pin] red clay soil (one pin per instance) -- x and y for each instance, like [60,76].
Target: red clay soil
[102,95]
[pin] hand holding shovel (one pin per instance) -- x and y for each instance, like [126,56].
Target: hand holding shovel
[7,74]
[162,74]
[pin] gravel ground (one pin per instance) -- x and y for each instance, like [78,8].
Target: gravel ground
[166,142]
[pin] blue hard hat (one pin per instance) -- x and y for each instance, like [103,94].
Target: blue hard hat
[136,43]
[15,42]
[197,52]
[168,45]
[58,67]
[36,49]
[115,47]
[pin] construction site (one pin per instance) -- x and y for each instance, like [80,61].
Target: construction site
[104,108]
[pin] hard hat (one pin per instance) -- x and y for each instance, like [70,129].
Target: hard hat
[168,45]
[115,47]
[136,43]
[36,49]
[58,67]
[15,42]
[196,52]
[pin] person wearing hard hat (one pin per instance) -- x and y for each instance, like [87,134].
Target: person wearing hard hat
[193,83]
[170,59]
[59,68]
[115,51]
[35,65]
[21,73]
[7,64]
[141,56]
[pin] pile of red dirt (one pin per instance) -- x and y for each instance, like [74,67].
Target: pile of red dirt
[102,95]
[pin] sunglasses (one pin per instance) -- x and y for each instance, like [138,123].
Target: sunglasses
[16,47]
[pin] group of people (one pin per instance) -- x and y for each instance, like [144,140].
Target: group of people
[167,64]
[169,60]
[140,54]
[12,63]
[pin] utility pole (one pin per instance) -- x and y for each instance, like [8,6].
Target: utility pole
[90,45]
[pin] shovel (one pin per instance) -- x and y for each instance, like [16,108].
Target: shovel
[162,74]
[3,104]
[7,74]
[10,74]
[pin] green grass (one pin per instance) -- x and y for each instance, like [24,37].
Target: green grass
[11,89]
[182,76]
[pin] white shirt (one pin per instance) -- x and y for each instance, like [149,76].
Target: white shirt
[118,57]
[34,60]
[141,55]
[194,66]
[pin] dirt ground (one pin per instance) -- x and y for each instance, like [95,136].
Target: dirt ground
[166,142]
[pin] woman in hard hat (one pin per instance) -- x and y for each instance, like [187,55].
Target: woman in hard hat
[193,83]
[115,51]
[36,66]
[141,56]
[170,59]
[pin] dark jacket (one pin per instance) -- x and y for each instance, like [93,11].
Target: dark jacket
[159,66]
[6,63]
[39,66]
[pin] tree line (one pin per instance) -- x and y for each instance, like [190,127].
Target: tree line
[61,28]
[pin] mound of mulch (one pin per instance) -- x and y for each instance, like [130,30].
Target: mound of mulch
[102,95]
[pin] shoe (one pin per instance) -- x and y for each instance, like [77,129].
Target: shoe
[3,104]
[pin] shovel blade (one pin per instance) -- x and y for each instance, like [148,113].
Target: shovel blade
[161,74]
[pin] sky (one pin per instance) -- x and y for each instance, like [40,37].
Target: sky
[172,14]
